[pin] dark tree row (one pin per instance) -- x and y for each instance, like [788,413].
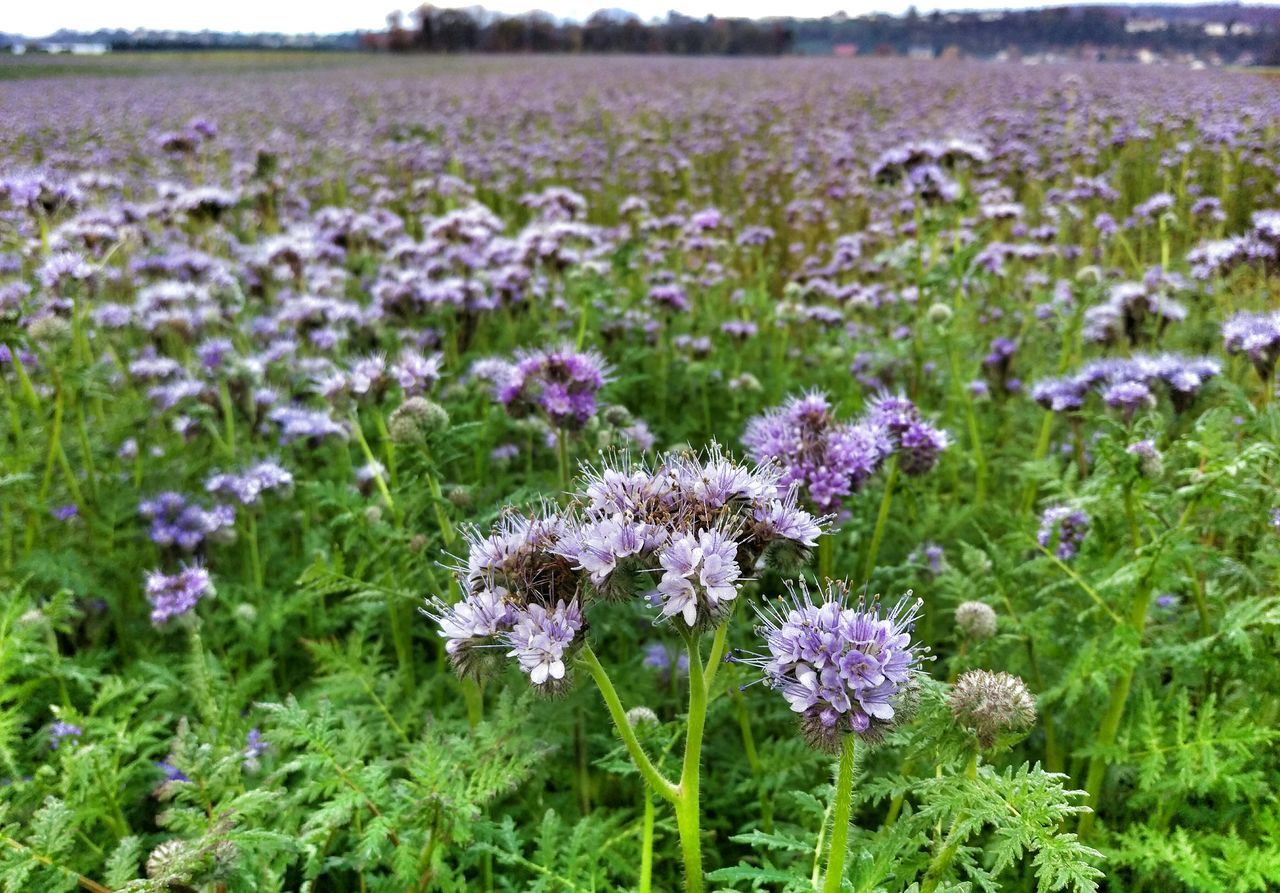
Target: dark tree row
[1105,31]
[435,30]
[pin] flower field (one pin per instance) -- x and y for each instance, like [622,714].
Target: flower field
[638,475]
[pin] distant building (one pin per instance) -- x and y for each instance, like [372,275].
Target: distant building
[75,49]
[920,52]
[1215,29]
[1145,26]
[845,50]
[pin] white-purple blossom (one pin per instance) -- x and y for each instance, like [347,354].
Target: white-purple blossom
[844,665]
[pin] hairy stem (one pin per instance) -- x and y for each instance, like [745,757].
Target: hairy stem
[840,818]
[664,788]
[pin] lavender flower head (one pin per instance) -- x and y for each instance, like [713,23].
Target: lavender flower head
[540,640]
[680,533]
[918,444]
[172,595]
[828,459]
[1257,336]
[247,486]
[700,577]
[175,521]
[60,731]
[1068,525]
[665,660]
[560,384]
[846,667]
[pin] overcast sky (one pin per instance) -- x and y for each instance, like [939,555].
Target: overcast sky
[329,16]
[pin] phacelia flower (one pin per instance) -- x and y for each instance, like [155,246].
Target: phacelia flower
[1068,525]
[828,459]
[60,731]
[700,577]
[172,595]
[247,486]
[540,640]
[560,384]
[846,667]
[1257,336]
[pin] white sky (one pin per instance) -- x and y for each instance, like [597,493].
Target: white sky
[36,19]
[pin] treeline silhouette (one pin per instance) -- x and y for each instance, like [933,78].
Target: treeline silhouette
[433,30]
[1084,31]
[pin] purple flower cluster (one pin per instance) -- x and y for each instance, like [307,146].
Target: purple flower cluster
[1129,383]
[172,595]
[1068,526]
[665,660]
[832,459]
[540,637]
[1130,305]
[844,666]
[176,521]
[60,731]
[560,384]
[681,534]
[247,486]
[1257,336]
[1260,246]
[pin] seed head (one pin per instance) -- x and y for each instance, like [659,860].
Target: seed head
[989,704]
[976,620]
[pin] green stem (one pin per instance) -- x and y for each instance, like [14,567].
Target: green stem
[886,501]
[840,818]
[255,559]
[646,843]
[826,546]
[474,699]
[937,869]
[562,459]
[664,788]
[687,805]
[437,500]
[1042,450]
[373,463]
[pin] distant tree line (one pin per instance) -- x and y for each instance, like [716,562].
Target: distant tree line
[434,30]
[1063,28]
[1101,30]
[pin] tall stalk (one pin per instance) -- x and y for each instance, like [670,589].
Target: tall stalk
[840,817]
[684,796]
[882,518]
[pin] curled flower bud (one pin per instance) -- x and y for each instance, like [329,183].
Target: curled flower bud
[976,620]
[417,419]
[49,329]
[640,716]
[1150,462]
[990,704]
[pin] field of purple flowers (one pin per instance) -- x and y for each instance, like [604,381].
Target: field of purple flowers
[410,468]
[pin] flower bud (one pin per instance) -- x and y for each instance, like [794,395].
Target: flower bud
[976,620]
[417,419]
[617,416]
[49,329]
[939,314]
[639,716]
[990,704]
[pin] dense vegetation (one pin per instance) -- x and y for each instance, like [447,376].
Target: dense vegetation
[408,471]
